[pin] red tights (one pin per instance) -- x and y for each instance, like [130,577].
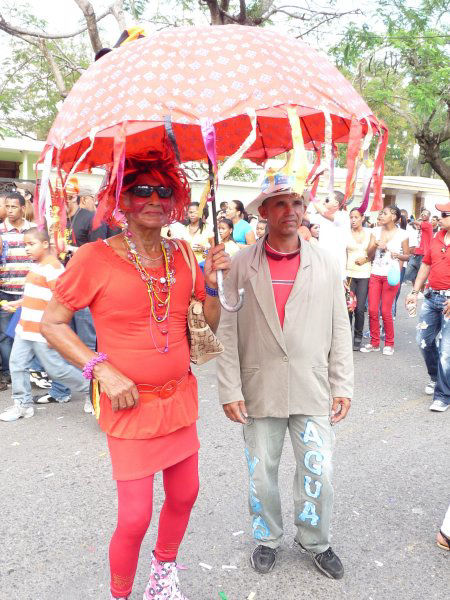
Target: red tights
[134,515]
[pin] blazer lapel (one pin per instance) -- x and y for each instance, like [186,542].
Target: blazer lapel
[261,282]
[299,296]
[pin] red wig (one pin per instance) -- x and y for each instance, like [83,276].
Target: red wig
[160,166]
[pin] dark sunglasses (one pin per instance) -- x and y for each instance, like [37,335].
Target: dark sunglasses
[445,214]
[145,191]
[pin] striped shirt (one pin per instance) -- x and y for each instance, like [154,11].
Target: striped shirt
[283,271]
[39,285]
[15,263]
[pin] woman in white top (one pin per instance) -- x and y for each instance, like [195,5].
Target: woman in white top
[388,246]
[358,271]
[197,233]
[225,227]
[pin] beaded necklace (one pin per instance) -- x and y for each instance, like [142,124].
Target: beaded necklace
[156,287]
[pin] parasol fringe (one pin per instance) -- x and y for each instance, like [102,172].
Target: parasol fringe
[44,200]
[378,170]
[298,163]
[353,149]
[92,135]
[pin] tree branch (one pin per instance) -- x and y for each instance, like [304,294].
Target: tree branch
[117,12]
[89,14]
[19,31]
[59,79]
[403,114]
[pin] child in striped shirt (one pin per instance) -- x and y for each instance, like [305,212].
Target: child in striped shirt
[28,341]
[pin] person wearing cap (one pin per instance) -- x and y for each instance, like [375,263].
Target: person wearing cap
[433,332]
[287,364]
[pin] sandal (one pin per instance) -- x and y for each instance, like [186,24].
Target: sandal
[443,545]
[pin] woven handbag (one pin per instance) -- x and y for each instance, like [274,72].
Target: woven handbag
[203,342]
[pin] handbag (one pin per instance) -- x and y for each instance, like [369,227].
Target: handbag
[204,345]
[350,298]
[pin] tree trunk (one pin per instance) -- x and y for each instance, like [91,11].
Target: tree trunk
[91,21]
[59,79]
[117,11]
[432,155]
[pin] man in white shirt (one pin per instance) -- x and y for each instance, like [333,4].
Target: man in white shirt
[334,224]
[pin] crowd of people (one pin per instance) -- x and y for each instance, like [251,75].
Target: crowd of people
[296,262]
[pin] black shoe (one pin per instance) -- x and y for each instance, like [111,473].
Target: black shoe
[328,562]
[357,344]
[6,378]
[263,559]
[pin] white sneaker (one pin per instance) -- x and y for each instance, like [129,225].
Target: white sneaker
[438,406]
[369,348]
[429,388]
[88,408]
[388,350]
[13,413]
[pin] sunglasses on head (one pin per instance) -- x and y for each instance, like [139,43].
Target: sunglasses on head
[145,191]
[445,214]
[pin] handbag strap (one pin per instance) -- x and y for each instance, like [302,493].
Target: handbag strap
[191,261]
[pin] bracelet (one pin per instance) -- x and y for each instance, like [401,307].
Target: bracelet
[414,292]
[211,291]
[88,369]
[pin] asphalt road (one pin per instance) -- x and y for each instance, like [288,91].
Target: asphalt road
[392,471]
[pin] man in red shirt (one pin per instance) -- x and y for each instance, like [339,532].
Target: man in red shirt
[287,364]
[433,334]
[425,230]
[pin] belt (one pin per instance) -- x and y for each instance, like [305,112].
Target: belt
[445,293]
[149,392]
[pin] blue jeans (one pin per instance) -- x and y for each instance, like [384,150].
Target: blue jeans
[5,341]
[22,354]
[413,267]
[59,392]
[433,337]
[83,325]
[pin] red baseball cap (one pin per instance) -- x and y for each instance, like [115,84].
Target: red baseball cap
[443,207]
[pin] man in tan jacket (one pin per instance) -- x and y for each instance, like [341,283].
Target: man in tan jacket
[287,365]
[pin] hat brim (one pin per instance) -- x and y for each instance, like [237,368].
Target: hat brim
[443,207]
[252,208]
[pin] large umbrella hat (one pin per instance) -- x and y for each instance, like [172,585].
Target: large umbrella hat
[215,93]
[189,74]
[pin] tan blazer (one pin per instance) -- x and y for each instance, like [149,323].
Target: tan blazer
[295,370]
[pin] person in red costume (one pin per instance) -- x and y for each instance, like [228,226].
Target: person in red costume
[425,229]
[138,288]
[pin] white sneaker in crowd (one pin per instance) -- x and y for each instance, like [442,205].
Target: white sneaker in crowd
[369,348]
[388,350]
[16,412]
[429,388]
[88,408]
[40,379]
[438,406]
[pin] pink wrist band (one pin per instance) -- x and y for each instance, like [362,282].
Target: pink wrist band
[88,369]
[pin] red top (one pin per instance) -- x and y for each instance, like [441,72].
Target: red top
[118,299]
[438,258]
[425,237]
[283,271]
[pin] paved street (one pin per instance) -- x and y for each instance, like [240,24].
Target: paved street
[391,481]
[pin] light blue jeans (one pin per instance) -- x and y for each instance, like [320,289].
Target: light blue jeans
[313,443]
[433,338]
[56,367]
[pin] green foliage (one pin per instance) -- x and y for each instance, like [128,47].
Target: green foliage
[136,8]
[241,172]
[28,94]
[404,72]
